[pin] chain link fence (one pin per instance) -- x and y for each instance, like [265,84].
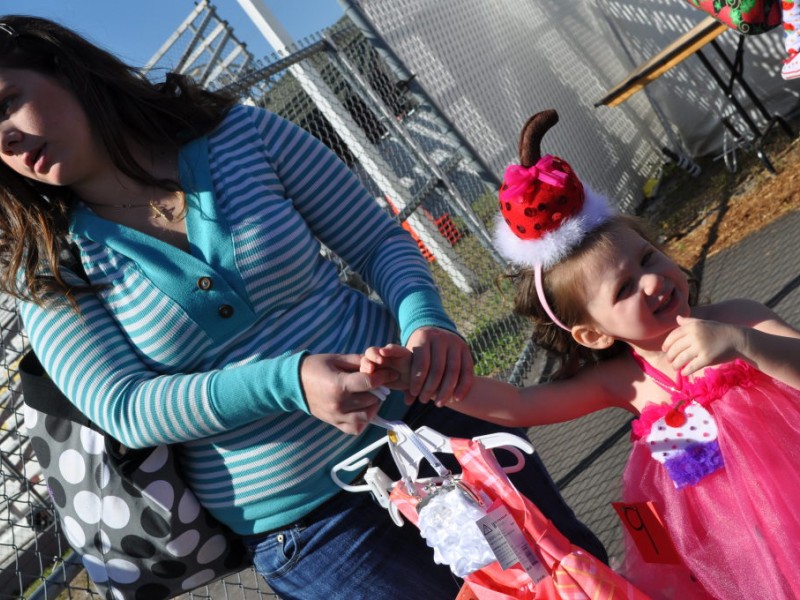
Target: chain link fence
[340,90]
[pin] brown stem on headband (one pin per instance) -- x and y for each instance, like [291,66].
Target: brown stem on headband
[530,139]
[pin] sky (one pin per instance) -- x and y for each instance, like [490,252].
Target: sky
[134,30]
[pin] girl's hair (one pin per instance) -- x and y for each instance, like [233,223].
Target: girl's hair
[563,289]
[123,107]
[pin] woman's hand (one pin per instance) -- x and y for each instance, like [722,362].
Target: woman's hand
[338,393]
[441,366]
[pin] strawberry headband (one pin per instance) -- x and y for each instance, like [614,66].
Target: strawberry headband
[545,211]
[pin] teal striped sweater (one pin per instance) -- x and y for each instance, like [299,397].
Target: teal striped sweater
[203,348]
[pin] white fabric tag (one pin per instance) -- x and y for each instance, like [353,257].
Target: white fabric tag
[509,544]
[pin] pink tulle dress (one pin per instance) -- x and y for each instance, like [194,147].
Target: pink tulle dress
[722,465]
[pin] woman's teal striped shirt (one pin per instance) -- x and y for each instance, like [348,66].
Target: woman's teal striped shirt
[203,348]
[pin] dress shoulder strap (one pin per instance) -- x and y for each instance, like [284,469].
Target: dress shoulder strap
[656,375]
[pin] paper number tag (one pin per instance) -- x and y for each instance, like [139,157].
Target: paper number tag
[509,544]
[647,529]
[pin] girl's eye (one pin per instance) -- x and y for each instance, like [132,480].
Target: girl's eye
[623,291]
[6,105]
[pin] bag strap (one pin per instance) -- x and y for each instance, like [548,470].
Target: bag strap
[38,390]
[40,393]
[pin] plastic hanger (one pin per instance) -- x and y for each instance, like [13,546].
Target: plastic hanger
[408,453]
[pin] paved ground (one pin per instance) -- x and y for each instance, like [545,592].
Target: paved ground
[587,456]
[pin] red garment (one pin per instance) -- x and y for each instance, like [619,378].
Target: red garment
[572,573]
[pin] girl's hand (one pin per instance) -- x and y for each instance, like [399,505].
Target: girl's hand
[441,367]
[338,393]
[392,357]
[696,344]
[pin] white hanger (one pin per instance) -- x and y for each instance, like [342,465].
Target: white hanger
[408,457]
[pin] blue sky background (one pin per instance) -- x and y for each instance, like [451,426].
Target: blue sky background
[135,29]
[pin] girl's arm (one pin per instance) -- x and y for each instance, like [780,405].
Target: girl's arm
[543,404]
[736,329]
[592,389]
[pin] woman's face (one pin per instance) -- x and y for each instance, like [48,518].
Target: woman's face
[44,131]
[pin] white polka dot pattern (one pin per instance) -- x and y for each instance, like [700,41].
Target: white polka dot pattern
[157,459]
[213,549]
[92,442]
[188,507]
[139,530]
[666,441]
[30,417]
[74,532]
[122,571]
[72,467]
[95,568]
[88,507]
[116,513]
[185,544]
[161,493]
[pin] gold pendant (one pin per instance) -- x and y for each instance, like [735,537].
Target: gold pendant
[167,214]
[158,212]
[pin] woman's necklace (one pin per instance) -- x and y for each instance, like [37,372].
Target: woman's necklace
[159,212]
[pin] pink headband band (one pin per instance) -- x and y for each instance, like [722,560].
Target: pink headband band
[537,272]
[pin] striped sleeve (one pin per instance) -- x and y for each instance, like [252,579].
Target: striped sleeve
[345,218]
[95,366]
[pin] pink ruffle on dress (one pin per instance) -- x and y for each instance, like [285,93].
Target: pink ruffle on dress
[731,505]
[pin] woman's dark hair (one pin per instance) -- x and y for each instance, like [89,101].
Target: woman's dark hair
[123,106]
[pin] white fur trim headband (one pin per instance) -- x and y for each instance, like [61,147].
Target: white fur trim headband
[554,245]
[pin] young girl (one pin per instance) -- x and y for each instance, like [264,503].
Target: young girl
[717,439]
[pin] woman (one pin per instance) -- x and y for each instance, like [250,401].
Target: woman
[200,311]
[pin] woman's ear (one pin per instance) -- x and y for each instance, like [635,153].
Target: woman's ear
[591,338]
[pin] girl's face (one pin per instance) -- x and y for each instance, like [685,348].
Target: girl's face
[44,132]
[634,292]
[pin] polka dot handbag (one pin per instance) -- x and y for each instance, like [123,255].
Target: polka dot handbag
[139,530]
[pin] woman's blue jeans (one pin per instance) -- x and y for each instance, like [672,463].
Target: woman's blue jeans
[352,550]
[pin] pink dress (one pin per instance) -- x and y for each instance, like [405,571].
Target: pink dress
[730,498]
